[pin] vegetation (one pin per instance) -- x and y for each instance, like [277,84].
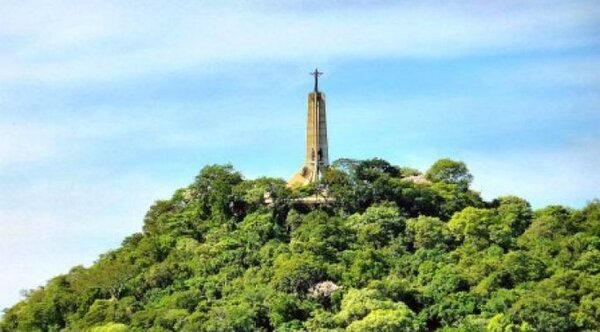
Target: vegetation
[389,254]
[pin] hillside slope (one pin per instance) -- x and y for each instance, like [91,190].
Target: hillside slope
[396,251]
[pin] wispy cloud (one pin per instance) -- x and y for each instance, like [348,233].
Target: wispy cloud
[110,40]
[571,71]
[34,141]
[204,125]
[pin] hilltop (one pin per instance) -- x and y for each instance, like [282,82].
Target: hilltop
[396,250]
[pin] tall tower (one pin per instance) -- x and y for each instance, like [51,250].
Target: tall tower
[317,152]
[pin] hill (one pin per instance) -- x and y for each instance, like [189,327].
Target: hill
[395,251]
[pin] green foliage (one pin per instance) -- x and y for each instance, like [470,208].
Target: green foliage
[393,251]
[479,227]
[110,327]
[296,273]
[385,320]
[377,226]
[450,171]
[319,234]
[357,303]
[427,232]
[214,188]
[515,214]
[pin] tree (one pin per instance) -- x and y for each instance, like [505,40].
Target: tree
[591,213]
[364,265]
[109,276]
[377,226]
[478,227]
[515,214]
[368,310]
[357,303]
[214,186]
[427,232]
[110,327]
[320,235]
[285,308]
[450,171]
[386,320]
[519,266]
[297,273]
[587,316]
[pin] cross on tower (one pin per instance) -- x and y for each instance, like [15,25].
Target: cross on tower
[316,74]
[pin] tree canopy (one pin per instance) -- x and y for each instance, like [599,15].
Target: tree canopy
[390,253]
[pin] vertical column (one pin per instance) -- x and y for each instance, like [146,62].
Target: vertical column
[323,144]
[311,131]
[317,154]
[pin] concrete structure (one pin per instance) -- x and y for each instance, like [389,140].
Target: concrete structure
[317,152]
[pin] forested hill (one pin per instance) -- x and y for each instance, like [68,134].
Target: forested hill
[396,251]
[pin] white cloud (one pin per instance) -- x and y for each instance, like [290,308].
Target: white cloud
[33,141]
[67,41]
[206,124]
[571,71]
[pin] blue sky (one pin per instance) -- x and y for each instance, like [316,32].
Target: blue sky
[106,106]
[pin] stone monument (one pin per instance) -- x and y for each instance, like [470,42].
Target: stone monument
[317,153]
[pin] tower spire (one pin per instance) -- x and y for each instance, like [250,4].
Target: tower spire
[317,152]
[316,74]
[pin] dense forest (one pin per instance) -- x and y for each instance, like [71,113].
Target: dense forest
[393,250]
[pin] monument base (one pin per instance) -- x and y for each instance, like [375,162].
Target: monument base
[300,179]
